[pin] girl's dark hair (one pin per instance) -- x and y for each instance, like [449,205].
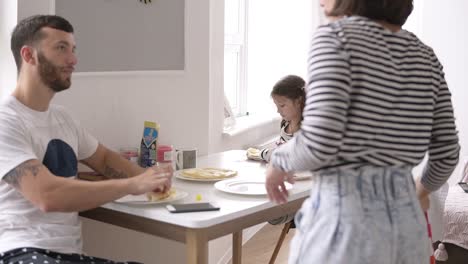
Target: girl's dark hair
[291,87]
[391,11]
[28,32]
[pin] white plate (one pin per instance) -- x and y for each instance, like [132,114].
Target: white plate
[255,158]
[178,174]
[143,200]
[244,187]
[303,175]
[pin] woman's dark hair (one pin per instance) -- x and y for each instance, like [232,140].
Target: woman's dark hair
[28,32]
[291,87]
[391,11]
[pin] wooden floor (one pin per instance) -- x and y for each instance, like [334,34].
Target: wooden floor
[259,248]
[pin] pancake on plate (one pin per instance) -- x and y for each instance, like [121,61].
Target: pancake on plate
[208,173]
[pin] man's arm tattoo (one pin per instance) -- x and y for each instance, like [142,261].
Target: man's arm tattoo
[14,176]
[112,173]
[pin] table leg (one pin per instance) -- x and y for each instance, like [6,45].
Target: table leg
[197,247]
[280,242]
[237,247]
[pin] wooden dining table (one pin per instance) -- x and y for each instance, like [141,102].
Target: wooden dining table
[196,229]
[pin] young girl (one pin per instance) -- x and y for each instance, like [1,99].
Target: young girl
[288,94]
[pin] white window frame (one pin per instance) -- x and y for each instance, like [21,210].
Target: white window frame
[237,43]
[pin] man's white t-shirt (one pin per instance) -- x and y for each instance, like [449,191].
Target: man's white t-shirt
[56,140]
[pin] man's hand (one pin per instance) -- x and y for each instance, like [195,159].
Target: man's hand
[275,184]
[157,179]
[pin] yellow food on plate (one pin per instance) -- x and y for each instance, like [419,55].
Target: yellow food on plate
[208,173]
[158,196]
[253,153]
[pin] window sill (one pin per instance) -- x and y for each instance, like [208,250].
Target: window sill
[249,123]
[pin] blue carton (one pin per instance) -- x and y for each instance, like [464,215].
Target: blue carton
[148,144]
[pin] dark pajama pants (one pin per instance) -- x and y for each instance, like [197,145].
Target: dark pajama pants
[43,256]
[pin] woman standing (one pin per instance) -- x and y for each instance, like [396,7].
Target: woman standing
[377,101]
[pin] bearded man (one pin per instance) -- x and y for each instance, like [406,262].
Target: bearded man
[40,147]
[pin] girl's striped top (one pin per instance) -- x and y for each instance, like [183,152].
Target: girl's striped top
[284,137]
[374,98]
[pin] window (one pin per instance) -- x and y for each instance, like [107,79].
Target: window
[264,41]
[235,54]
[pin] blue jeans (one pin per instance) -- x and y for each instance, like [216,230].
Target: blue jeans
[369,216]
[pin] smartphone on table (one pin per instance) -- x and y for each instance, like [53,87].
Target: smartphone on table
[464,186]
[191,207]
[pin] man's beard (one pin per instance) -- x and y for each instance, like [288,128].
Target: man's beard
[50,74]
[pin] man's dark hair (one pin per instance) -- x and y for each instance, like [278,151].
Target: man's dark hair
[391,11]
[28,32]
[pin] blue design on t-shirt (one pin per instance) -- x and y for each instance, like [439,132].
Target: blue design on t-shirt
[60,159]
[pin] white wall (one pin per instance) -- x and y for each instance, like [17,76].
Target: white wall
[8,18]
[444,29]
[114,106]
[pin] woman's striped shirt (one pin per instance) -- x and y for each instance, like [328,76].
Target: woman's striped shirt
[375,98]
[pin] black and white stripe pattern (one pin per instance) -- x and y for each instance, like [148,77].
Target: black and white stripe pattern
[375,98]
[284,137]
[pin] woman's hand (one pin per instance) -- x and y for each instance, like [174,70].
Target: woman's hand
[424,202]
[423,195]
[274,184]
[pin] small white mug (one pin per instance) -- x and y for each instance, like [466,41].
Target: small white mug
[185,158]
